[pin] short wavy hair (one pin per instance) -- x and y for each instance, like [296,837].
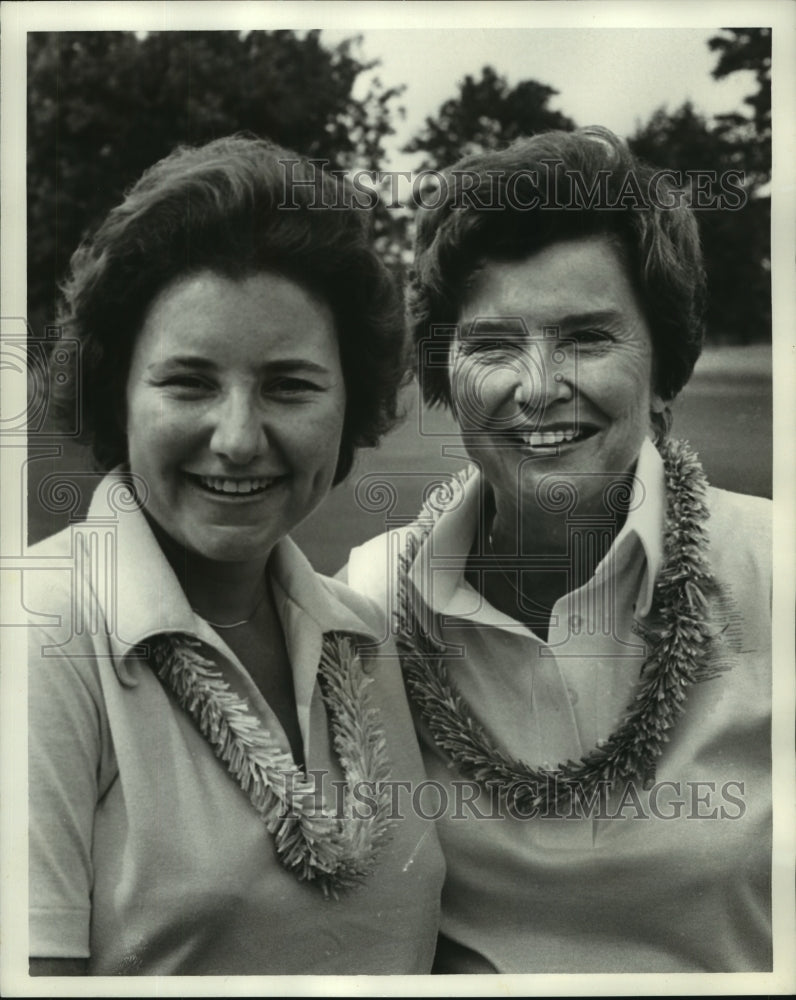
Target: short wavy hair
[510,203]
[236,206]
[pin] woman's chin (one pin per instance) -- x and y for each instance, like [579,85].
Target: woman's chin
[229,547]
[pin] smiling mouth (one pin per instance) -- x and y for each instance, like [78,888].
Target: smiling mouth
[226,486]
[552,440]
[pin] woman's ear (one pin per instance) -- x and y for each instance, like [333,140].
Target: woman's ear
[660,418]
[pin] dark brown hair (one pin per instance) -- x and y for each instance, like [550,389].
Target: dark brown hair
[494,206]
[235,206]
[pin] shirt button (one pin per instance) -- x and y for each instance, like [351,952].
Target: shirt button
[573,695]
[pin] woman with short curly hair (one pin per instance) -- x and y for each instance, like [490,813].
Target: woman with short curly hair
[236,207]
[212,736]
[585,623]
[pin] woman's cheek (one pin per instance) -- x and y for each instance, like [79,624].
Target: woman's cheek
[480,392]
[313,430]
[619,381]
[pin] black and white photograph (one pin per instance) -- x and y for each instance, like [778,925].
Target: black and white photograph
[397,541]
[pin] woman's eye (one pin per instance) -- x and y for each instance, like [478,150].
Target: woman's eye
[189,383]
[489,347]
[590,337]
[292,385]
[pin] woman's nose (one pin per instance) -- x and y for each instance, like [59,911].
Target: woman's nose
[544,375]
[239,433]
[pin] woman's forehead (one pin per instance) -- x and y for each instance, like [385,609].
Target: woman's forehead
[566,278]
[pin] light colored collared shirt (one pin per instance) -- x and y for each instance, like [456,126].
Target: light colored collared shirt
[672,878]
[145,855]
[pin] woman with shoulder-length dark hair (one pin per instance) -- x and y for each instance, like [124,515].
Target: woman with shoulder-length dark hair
[212,737]
[585,623]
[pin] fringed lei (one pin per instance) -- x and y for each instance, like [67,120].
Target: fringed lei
[679,644]
[336,850]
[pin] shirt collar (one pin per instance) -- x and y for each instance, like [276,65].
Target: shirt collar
[308,610]
[643,527]
[437,572]
[438,569]
[316,597]
[133,584]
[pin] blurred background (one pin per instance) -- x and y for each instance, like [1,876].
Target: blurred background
[102,106]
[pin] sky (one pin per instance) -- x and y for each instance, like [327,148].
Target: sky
[606,76]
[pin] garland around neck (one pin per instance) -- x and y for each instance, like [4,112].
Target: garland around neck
[679,643]
[335,850]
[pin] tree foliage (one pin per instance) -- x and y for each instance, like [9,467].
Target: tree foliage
[103,106]
[684,139]
[748,49]
[485,114]
[735,242]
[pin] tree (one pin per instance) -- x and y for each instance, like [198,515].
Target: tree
[103,106]
[735,243]
[684,139]
[748,49]
[485,114]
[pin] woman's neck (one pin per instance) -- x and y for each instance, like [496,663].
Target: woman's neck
[573,540]
[218,591]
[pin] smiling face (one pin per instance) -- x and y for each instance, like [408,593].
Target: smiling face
[235,406]
[551,370]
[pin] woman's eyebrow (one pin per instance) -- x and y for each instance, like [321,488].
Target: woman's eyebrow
[296,364]
[182,361]
[506,326]
[595,317]
[278,365]
[514,326]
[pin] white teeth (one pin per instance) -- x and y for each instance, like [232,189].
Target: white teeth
[223,485]
[547,439]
